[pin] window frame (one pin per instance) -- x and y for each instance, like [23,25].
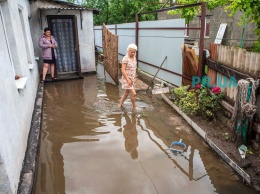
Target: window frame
[187,31]
[207,27]
[6,39]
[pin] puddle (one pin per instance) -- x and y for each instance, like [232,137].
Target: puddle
[89,145]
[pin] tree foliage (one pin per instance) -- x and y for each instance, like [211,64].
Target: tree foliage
[121,11]
[190,13]
[249,8]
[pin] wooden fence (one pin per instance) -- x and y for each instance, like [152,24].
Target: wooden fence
[239,59]
[110,49]
[226,62]
[232,61]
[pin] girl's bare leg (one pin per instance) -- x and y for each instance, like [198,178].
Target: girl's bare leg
[44,70]
[133,95]
[123,98]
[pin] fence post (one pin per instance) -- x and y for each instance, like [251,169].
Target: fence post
[136,34]
[202,31]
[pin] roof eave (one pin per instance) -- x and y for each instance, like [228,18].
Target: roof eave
[72,5]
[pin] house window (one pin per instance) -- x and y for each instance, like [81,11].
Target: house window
[207,26]
[24,33]
[187,31]
[10,36]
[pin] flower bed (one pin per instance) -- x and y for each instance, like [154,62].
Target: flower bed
[201,100]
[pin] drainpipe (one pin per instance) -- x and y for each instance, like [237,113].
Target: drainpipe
[243,33]
[202,32]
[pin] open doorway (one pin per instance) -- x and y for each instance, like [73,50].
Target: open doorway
[64,29]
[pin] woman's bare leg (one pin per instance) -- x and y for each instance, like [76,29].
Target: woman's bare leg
[44,70]
[123,98]
[52,70]
[133,95]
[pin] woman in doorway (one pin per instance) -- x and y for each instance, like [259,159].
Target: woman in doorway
[49,53]
[129,74]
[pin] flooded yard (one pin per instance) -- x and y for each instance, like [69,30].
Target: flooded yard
[90,146]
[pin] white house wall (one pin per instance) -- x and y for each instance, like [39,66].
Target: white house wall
[86,42]
[85,35]
[16,58]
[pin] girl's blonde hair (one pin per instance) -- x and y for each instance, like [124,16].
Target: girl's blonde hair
[131,46]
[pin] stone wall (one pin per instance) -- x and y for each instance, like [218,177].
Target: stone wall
[233,33]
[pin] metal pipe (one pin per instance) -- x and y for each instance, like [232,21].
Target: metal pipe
[202,31]
[164,4]
[40,20]
[81,18]
[136,33]
[171,8]
[176,28]
[184,76]
[156,73]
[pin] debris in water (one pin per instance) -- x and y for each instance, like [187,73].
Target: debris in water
[178,146]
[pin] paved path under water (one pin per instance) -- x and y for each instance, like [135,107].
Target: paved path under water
[90,146]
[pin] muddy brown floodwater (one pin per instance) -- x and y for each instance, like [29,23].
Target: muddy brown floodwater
[89,146]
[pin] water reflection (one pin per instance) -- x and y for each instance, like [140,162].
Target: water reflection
[65,120]
[130,135]
[89,146]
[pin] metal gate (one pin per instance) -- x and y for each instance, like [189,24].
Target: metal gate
[157,40]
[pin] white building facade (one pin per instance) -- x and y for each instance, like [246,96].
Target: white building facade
[21,25]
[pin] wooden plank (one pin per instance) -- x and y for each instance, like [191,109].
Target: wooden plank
[213,76]
[189,55]
[256,128]
[110,49]
[220,34]
[227,106]
[161,90]
[193,53]
[213,51]
[227,71]
[189,64]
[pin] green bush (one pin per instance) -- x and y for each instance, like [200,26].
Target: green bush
[189,103]
[208,102]
[199,101]
[180,92]
[257,46]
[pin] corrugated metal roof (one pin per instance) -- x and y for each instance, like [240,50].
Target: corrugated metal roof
[70,6]
[65,8]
